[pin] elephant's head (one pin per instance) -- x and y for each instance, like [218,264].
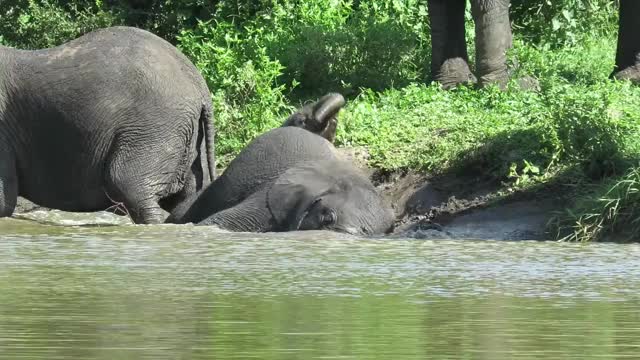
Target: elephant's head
[328,195]
[319,117]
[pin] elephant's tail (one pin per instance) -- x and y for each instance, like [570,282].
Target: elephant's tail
[206,119]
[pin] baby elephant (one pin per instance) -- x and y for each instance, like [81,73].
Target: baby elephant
[290,178]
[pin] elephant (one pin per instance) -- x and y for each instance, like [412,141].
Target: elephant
[116,116]
[450,61]
[291,178]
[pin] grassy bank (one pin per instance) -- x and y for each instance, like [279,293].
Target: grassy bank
[263,58]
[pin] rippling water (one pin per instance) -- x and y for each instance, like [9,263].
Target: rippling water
[185,292]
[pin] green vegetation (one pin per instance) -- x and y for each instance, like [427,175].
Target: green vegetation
[262,58]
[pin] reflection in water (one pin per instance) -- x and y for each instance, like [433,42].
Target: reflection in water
[184,292]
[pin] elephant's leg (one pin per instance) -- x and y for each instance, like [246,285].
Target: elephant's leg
[8,184]
[251,215]
[628,52]
[196,179]
[449,58]
[493,40]
[129,186]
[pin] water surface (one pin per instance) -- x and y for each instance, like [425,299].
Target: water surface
[183,292]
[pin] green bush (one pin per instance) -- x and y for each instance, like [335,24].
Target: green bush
[335,46]
[243,81]
[610,211]
[563,22]
[31,24]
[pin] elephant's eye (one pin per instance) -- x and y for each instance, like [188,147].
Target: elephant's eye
[298,120]
[328,217]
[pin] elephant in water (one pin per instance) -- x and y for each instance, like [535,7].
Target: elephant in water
[117,116]
[291,178]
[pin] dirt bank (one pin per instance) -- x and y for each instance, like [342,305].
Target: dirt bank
[464,208]
[461,206]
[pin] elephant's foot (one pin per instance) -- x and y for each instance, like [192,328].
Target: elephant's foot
[500,79]
[319,117]
[454,72]
[631,73]
[627,65]
[493,40]
[449,58]
[148,215]
[140,208]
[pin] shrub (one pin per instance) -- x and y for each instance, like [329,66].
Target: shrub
[31,24]
[347,46]
[563,22]
[242,79]
[611,211]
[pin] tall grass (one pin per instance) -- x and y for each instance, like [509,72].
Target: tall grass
[610,212]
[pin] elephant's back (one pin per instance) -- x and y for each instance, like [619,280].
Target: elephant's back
[111,59]
[271,153]
[263,160]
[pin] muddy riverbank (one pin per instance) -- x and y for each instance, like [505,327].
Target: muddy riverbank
[446,206]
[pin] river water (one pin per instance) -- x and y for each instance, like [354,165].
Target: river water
[70,291]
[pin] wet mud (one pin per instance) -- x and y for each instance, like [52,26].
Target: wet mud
[464,208]
[460,206]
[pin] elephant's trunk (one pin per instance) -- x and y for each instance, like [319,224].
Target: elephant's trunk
[327,107]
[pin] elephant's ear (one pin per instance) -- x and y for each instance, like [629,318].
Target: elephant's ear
[294,192]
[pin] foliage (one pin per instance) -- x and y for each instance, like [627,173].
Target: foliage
[611,211]
[32,24]
[424,127]
[243,81]
[570,20]
[344,46]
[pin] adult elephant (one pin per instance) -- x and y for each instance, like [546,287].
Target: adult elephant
[450,61]
[290,178]
[117,116]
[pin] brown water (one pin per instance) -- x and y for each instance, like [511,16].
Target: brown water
[184,292]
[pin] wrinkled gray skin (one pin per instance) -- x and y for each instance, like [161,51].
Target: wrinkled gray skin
[115,116]
[291,179]
[450,61]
